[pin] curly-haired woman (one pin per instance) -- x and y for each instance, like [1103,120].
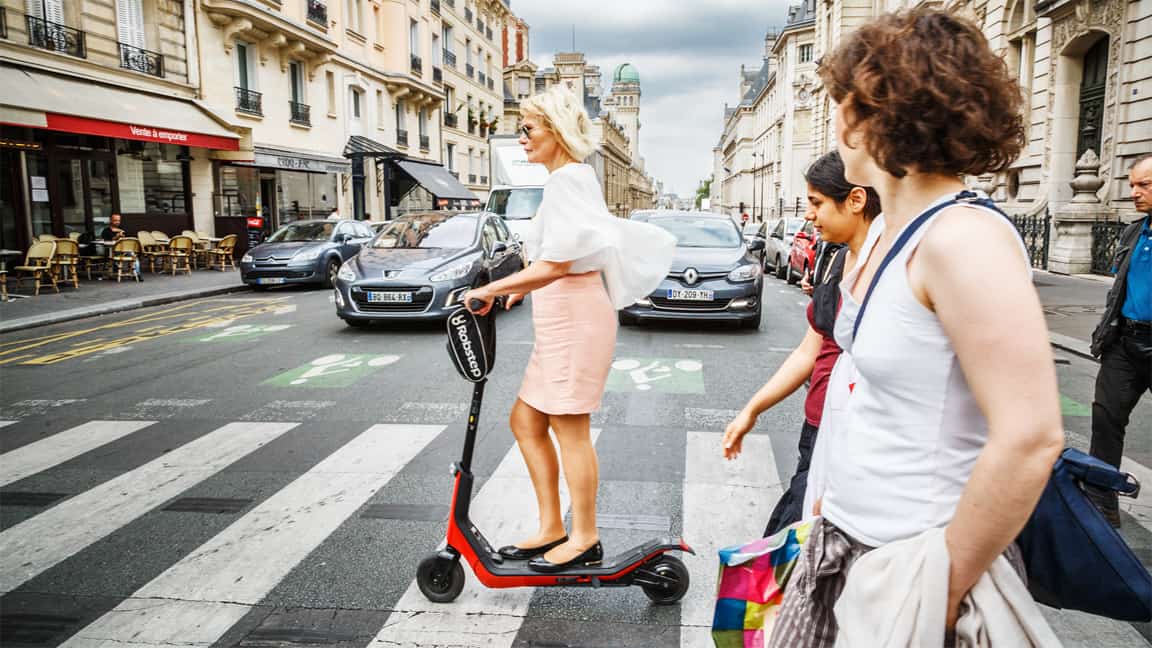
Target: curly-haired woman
[954,419]
[586,265]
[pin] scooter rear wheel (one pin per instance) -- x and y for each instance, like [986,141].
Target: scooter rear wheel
[675,581]
[440,581]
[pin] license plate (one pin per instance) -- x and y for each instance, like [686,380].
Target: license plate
[682,294]
[390,297]
[269,281]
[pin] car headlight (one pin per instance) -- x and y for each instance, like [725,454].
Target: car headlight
[458,271]
[308,254]
[347,273]
[247,258]
[745,273]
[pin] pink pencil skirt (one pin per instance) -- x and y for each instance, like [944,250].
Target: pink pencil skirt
[575,326]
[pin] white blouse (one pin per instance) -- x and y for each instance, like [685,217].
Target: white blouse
[574,224]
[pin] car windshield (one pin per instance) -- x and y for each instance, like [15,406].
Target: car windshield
[701,232]
[751,229]
[515,204]
[793,226]
[308,231]
[428,232]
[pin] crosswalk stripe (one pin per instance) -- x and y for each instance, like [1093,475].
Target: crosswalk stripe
[58,448]
[199,598]
[725,503]
[505,509]
[38,543]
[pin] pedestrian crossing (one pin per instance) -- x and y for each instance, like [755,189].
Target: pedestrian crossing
[214,591]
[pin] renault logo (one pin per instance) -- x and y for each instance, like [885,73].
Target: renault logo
[691,276]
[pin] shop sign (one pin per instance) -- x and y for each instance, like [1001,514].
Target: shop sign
[141,132]
[291,163]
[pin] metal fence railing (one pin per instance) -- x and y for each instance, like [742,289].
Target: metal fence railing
[1036,231]
[1105,238]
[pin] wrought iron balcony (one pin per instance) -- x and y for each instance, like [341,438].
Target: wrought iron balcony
[437,74]
[249,101]
[318,12]
[402,137]
[467,14]
[55,37]
[436,7]
[451,120]
[470,71]
[483,78]
[491,84]
[471,178]
[424,142]
[417,65]
[471,128]
[141,60]
[300,113]
[450,58]
[480,25]
[483,179]
[488,32]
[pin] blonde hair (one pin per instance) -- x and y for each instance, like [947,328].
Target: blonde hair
[563,114]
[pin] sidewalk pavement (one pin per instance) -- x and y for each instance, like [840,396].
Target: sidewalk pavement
[102,297]
[1073,306]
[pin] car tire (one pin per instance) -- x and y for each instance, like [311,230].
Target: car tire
[753,323]
[781,269]
[792,278]
[625,319]
[330,270]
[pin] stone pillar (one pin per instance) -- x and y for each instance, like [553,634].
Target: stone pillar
[1071,242]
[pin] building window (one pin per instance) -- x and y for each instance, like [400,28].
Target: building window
[437,53]
[423,122]
[523,87]
[806,53]
[355,11]
[380,109]
[450,156]
[130,22]
[468,50]
[354,103]
[414,38]
[400,115]
[151,178]
[330,78]
[244,76]
[296,81]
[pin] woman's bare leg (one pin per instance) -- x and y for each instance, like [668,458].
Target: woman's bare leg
[582,473]
[530,427]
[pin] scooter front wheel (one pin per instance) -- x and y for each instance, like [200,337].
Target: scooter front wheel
[441,581]
[670,583]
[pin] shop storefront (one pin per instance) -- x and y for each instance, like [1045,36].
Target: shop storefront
[279,186]
[407,184]
[65,173]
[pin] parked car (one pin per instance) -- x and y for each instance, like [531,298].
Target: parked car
[303,252]
[779,244]
[715,274]
[421,264]
[641,215]
[802,256]
[757,232]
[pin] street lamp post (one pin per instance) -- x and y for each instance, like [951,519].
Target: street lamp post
[754,156]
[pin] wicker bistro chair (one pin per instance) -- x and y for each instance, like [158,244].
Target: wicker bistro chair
[154,251]
[38,264]
[46,237]
[126,255]
[67,261]
[160,237]
[181,252]
[223,253]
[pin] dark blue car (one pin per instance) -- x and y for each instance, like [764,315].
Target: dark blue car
[304,252]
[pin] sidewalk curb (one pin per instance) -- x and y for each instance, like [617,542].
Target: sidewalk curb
[115,307]
[1072,345]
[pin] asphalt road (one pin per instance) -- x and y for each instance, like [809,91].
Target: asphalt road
[248,471]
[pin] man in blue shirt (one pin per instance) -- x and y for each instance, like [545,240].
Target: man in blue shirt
[1123,340]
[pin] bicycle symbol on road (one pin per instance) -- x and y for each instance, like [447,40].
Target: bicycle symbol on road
[669,376]
[334,370]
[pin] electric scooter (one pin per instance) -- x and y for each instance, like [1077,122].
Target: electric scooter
[440,576]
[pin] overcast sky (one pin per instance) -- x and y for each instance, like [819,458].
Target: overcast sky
[688,55]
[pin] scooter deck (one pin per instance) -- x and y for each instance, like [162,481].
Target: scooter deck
[615,566]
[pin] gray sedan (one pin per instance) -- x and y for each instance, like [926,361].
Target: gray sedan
[715,275]
[304,252]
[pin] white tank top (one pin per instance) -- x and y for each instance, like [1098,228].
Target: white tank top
[911,429]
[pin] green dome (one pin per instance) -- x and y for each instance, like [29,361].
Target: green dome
[625,73]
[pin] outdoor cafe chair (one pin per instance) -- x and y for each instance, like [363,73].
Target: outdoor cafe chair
[160,237]
[126,254]
[223,253]
[153,250]
[46,237]
[181,250]
[66,263]
[38,264]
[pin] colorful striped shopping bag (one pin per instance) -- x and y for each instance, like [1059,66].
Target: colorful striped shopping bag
[751,587]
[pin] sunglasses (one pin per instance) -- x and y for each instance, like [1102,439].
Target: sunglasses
[526,132]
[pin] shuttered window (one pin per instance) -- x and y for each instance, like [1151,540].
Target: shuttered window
[54,9]
[130,22]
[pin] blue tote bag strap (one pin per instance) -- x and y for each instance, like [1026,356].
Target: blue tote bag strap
[966,197]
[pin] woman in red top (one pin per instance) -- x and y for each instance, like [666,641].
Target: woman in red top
[841,212]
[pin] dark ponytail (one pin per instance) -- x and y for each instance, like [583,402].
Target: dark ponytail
[826,175]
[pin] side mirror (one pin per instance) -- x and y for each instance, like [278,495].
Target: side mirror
[802,236]
[755,245]
[340,238]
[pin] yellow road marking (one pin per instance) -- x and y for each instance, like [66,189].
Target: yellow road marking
[16,352]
